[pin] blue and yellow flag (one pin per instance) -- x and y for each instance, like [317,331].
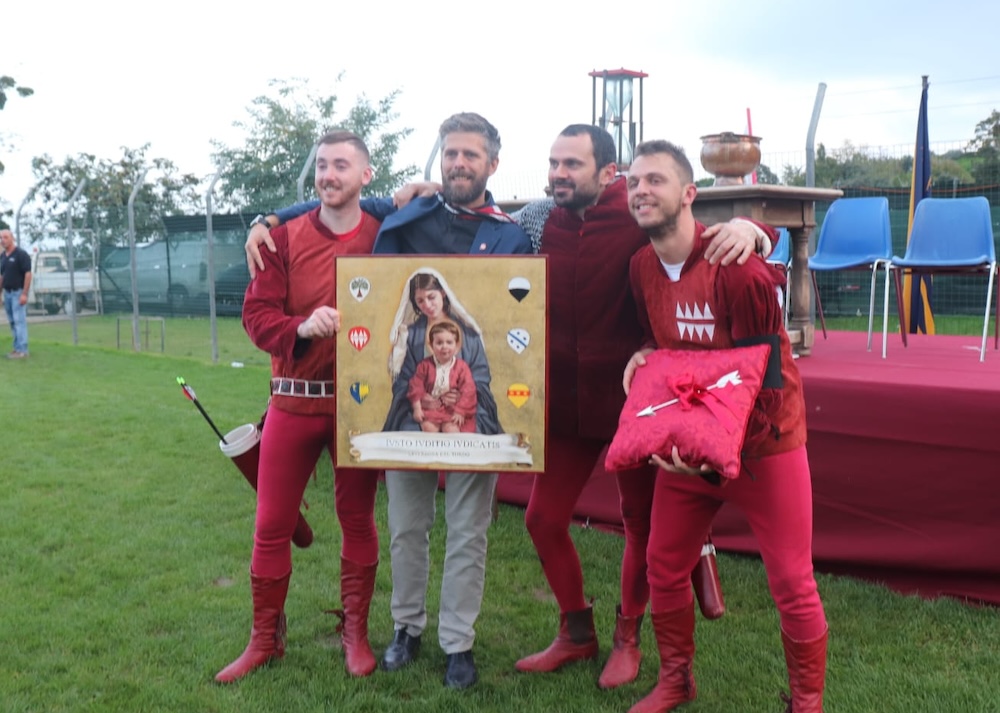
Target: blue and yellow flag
[917,289]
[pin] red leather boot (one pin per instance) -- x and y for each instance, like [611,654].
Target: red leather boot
[623,664]
[675,640]
[806,661]
[707,587]
[576,641]
[267,637]
[357,584]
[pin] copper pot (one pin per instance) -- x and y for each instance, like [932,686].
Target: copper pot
[729,157]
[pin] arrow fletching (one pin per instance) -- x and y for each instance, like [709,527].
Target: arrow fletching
[188,391]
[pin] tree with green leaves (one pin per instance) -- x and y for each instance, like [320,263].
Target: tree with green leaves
[985,148]
[853,166]
[860,167]
[262,174]
[766,175]
[8,84]
[100,212]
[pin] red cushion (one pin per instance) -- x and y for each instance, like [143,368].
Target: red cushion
[708,420]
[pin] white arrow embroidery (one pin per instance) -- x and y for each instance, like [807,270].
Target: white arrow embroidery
[732,377]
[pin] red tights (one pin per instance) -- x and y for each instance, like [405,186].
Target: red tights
[777,503]
[554,496]
[290,447]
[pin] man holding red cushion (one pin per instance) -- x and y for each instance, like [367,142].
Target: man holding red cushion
[666,275]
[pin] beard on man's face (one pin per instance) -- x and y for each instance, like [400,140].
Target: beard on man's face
[666,224]
[462,192]
[573,197]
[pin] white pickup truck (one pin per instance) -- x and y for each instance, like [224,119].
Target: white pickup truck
[50,284]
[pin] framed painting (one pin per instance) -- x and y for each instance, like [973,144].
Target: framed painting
[441,362]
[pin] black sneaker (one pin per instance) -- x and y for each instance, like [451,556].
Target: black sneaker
[401,651]
[461,672]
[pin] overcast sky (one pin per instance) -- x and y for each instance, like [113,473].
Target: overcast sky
[176,75]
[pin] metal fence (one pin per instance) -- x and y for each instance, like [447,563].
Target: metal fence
[195,266]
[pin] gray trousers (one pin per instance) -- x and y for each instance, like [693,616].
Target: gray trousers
[468,511]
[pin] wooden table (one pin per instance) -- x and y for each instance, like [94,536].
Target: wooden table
[790,207]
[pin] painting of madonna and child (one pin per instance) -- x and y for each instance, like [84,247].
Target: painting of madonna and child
[441,362]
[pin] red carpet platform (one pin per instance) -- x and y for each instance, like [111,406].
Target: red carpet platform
[905,460]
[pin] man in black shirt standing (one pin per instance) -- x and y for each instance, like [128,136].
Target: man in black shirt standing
[15,281]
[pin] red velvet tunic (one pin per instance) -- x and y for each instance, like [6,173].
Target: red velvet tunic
[710,308]
[593,328]
[296,280]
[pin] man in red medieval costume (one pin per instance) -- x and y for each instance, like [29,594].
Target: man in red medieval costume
[290,312]
[777,497]
[589,236]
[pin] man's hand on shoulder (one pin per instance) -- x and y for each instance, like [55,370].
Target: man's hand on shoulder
[417,189]
[735,241]
[259,233]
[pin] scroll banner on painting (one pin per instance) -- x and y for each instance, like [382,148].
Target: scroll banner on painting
[454,449]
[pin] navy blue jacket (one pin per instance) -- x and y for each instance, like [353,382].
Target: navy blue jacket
[492,238]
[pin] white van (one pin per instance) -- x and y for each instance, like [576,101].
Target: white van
[169,272]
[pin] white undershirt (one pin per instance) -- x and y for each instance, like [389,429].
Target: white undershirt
[673,270]
[764,248]
[442,377]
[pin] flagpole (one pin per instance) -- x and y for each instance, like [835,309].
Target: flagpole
[917,315]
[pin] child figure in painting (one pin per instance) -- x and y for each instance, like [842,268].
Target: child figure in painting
[442,391]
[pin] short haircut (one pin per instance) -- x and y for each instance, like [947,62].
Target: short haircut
[473,124]
[343,136]
[604,146]
[445,326]
[648,148]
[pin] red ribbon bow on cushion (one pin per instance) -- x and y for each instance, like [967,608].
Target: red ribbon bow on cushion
[690,392]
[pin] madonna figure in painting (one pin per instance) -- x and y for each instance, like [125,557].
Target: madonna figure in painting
[426,301]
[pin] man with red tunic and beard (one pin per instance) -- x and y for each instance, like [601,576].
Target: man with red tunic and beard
[290,312]
[589,236]
[777,497]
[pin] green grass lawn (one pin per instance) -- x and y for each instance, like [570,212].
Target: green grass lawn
[126,541]
[186,337]
[192,337]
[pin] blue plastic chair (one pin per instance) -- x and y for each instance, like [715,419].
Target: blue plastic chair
[855,235]
[781,259]
[782,251]
[948,236]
